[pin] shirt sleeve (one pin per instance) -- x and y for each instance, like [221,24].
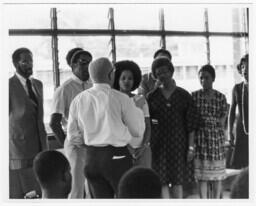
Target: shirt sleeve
[192,115]
[234,100]
[74,133]
[133,118]
[146,109]
[58,105]
[224,106]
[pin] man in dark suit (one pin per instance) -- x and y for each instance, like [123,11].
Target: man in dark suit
[27,135]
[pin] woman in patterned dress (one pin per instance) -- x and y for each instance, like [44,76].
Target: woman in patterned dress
[173,123]
[127,79]
[240,98]
[209,159]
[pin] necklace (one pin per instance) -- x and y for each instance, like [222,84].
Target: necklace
[246,132]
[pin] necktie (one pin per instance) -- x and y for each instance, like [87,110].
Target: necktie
[83,85]
[31,94]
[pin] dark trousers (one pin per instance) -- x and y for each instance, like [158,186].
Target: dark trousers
[22,181]
[104,166]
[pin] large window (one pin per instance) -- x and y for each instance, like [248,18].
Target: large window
[136,17]
[137,48]
[189,54]
[195,35]
[186,18]
[82,17]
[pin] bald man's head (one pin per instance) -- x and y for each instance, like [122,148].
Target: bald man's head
[100,70]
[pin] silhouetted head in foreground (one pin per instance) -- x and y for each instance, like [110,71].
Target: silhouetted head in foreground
[52,171]
[139,183]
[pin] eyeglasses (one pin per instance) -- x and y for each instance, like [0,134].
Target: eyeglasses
[26,63]
[84,61]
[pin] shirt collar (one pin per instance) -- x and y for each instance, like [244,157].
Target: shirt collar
[101,85]
[21,78]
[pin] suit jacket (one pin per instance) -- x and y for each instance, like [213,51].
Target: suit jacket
[27,134]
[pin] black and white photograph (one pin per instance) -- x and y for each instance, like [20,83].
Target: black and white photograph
[141,102]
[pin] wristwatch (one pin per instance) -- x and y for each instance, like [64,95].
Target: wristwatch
[147,144]
[191,148]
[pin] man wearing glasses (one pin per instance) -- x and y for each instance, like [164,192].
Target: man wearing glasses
[78,59]
[27,135]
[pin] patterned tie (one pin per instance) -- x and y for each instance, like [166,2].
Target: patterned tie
[31,94]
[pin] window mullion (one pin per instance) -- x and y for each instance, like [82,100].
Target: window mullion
[55,59]
[206,23]
[113,38]
[162,29]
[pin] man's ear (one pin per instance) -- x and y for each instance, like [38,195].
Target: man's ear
[16,64]
[109,76]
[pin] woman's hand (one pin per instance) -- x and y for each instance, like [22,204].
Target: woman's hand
[138,152]
[190,155]
[140,101]
[158,83]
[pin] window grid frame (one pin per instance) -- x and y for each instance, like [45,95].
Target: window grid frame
[54,32]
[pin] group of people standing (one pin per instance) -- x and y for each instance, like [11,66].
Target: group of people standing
[110,129]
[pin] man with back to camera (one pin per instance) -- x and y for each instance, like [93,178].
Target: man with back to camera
[27,135]
[104,128]
[148,83]
[78,59]
[52,171]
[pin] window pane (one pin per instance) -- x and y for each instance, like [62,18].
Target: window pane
[227,19]
[184,18]
[138,17]
[97,46]
[27,16]
[138,49]
[42,65]
[221,49]
[188,54]
[84,16]
[225,55]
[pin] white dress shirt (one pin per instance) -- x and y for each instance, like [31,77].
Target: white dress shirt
[64,95]
[103,116]
[136,142]
[24,84]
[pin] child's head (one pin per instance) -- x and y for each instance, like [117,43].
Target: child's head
[139,182]
[206,76]
[52,171]
[127,76]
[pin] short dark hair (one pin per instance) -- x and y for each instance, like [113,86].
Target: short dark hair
[48,167]
[139,182]
[17,52]
[245,58]
[163,51]
[76,55]
[159,62]
[130,66]
[208,68]
[70,54]
[240,186]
